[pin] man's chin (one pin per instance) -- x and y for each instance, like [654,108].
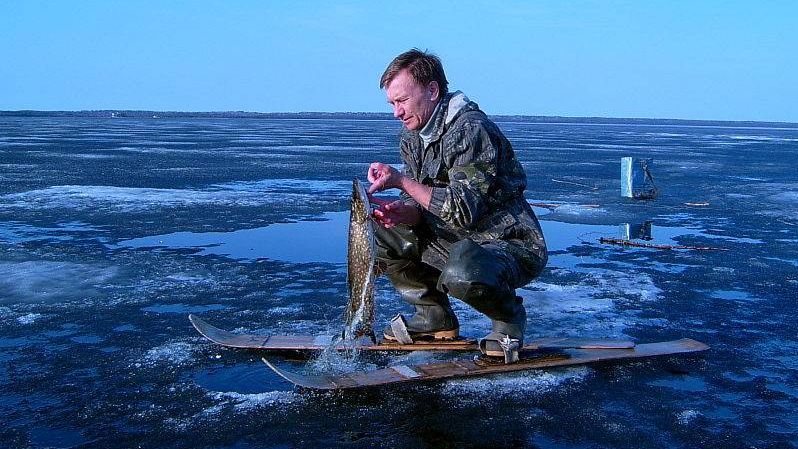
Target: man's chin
[411,125]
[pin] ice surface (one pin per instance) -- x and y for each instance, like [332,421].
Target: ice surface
[112,230]
[290,241]
[17,232]
[49,281]
[137,199]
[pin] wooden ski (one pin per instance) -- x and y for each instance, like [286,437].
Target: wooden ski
[303,343]
[469,368]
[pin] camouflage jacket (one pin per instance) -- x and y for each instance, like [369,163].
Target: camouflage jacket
[477,185]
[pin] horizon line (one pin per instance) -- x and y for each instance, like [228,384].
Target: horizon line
[387,115]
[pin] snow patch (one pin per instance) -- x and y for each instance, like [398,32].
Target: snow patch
[245,402]
[177,354]
[526,382]
[29,318]
[685,417]
[590,308]
[284,310]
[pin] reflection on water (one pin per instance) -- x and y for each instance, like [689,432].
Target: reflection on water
[299,242]
[640,231]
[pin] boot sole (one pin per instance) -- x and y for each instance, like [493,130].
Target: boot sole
[438,335]
[494,354]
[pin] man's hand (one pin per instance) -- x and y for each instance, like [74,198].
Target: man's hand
[382,177]
[392,213]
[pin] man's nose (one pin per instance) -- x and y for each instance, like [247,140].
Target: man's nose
[398,111]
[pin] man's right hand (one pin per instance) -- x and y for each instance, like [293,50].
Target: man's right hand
[382,177]
[392,213]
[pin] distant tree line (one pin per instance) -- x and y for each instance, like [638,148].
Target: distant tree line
[180,114]
[384,116]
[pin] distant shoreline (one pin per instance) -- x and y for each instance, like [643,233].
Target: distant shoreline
[387,116]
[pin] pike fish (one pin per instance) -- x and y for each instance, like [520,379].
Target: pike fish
[361,269]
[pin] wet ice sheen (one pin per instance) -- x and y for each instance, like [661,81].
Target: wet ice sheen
[51,281]
[293,242]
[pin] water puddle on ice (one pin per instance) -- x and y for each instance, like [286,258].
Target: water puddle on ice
[733,295]
[52,437]
[242,378]
[183,309]
[682,383]
[324,240]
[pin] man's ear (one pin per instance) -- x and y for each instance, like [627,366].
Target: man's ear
[434,91]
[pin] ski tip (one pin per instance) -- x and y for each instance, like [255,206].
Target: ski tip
[695,345]
[269,364]
[284,374]
[198,323]
[307,382]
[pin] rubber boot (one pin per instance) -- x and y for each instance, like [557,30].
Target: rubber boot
[416,282]
[513,328]
[429,322]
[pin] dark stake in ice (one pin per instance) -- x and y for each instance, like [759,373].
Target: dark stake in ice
[361,270]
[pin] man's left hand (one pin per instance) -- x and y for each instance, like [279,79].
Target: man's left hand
[392,213]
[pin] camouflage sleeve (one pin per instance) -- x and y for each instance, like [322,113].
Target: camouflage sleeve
[407,199]
[473,157]
[407,170]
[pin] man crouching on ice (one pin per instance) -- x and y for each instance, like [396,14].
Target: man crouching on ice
[462,226]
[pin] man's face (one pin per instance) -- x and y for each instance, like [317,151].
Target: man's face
[413,103]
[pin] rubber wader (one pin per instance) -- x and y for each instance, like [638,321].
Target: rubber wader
[416,282]
[479,276]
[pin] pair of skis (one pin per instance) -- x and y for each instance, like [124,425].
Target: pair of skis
[537,354]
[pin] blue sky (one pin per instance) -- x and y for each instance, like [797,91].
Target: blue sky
[722,60]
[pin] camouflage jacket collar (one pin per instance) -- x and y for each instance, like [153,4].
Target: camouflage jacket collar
[450,106]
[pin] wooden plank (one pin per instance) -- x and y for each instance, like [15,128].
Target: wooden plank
[584,343]
[320,342]
[467,368]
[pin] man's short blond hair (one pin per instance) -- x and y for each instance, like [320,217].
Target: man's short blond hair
[424,67]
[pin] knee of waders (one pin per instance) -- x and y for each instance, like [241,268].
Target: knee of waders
[469,280]
[470,271]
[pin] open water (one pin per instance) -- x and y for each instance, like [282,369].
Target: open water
[113,230]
